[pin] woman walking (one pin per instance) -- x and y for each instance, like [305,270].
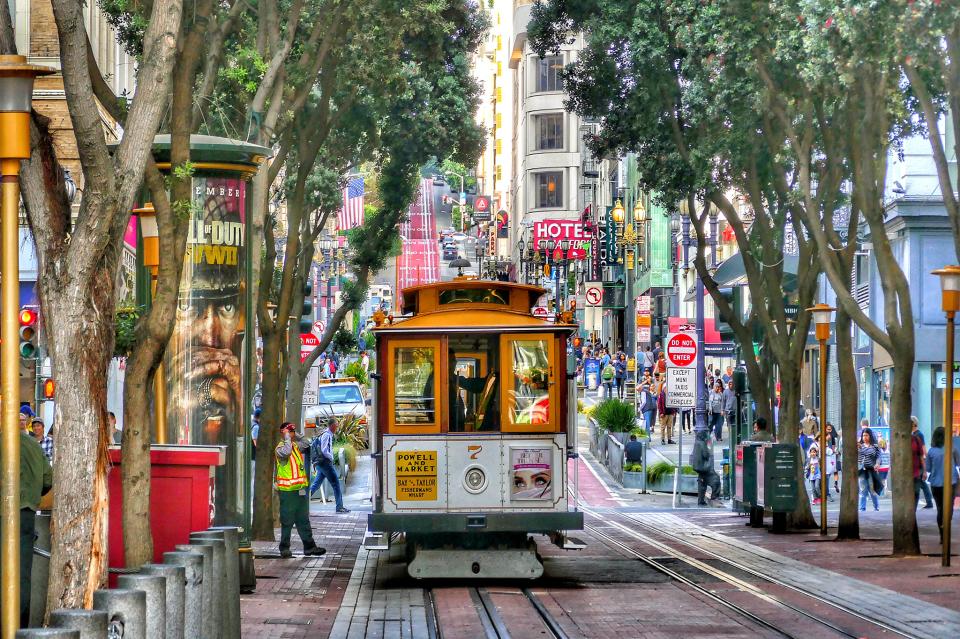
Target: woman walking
[715,411]
[935,472]
[868,455]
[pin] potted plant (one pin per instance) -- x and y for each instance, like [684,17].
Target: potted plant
[616,417]
[633,475]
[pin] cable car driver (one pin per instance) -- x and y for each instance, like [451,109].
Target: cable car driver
[488,412]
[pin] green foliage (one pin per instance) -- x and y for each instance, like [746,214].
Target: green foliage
[351,430]
[129,20]
[355,369]
[659,470]
[125,325]
[640,432]
[347,453]
[344,341]
[615,416]
[633,467]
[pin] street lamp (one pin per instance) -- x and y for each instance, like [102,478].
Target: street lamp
[16,99]
[822,314]
[617,213]
[950,301]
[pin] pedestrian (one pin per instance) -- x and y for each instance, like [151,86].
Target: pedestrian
[701,459]
[667,415]
[26,414]
[321,451]
[648,408]
[833,444]
[657,349]
[760,432]
[255,430]
[730,407]
[868,455]
[883,465]
[715,411]
[291,483]
[45,441]
[919,469]
[812,472]
[934,463]
[727,376]
[925,486]
[607,375]
[661,367]
[633,450]
[365,362]
[808,425]
[649,360]
[115,433]
[686,420]
[620,373]
[36,479]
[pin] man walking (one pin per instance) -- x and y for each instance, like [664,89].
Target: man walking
[666,414]
[36,478]
[322,452]
[924,486]
[291,483]
[730,408]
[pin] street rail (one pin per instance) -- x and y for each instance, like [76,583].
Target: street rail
[608,519]
[494,625]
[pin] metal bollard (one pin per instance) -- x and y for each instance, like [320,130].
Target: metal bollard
[126,611]
[192,563]
[156,588]
[231,535]
[208,618]
[219,581]
[47,633]
[175,578]
[92,624]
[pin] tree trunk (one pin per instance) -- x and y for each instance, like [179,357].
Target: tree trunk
[848,526]
[269,436]
[789,433]
[906,536]
[296,380]
[80,335]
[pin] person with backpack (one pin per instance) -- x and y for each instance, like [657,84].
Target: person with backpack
[620,373]
[701,459]
[648,408]
[321,452]
[607,375]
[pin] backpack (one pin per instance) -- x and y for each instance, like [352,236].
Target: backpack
[608,372]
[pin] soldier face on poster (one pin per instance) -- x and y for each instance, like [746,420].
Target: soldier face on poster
[204,378]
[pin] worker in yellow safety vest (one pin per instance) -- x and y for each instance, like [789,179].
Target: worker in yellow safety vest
[291,481]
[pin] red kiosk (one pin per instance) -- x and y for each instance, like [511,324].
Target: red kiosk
[181,496]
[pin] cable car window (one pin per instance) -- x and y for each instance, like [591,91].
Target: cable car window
[415,400]
[530,401]
[474,295]
[473,384]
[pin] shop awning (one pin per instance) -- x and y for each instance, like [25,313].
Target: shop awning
[731,272]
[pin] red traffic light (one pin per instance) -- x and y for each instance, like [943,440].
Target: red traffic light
[49,388]
[28,317]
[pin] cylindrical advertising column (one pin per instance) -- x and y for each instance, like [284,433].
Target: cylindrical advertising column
[204,364]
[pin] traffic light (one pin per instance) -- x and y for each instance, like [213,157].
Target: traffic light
[49,388]
[28,333]
[306,315]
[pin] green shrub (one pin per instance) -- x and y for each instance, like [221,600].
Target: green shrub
[580,406]
[355,369]
[346,453]
[640,432]
[633,467]
[659,470]
[687,469]
[615,416]
[351,431]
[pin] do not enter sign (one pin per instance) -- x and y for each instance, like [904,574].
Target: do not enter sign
[681,350]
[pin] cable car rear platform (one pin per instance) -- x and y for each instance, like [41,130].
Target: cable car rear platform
[527,522]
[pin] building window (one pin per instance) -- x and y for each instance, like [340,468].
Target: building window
[548,73]
[548,130]
[549,190]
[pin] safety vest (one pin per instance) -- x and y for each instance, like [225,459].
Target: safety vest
[290,474]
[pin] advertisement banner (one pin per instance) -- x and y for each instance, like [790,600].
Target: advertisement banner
[503,225]
[531,474]
[609,248]
[202,364]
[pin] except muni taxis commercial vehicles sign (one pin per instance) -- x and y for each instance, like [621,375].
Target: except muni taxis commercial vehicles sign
[416,475]
[681,392]
[681,350]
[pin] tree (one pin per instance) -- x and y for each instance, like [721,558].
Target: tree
[76,280]
[675,94]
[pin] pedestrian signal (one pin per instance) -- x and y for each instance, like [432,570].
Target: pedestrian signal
[28,333]
[49,388]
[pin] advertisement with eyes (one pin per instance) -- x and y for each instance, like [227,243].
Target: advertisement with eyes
[203,360]
[531,474]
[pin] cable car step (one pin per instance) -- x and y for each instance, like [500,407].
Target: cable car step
[376,541]
[519,563]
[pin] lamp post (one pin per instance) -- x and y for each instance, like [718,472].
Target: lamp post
[16,96]
[950,301]
[822,314]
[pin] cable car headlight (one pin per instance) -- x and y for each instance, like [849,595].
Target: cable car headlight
[474,479]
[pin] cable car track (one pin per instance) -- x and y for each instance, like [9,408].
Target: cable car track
[494,624]
[727,577]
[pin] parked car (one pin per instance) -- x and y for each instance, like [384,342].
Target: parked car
[438,179]
[450,252]
[336,398]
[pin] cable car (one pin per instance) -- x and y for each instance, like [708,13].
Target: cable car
[474,419]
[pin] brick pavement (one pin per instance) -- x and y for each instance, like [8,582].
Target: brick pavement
[298,598]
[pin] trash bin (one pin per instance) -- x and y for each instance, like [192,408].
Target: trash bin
[777,466]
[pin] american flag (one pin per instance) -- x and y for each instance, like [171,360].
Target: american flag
[351,215]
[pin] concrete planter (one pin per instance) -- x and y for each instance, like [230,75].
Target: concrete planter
[687,486]
[623,438]
[632,480]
